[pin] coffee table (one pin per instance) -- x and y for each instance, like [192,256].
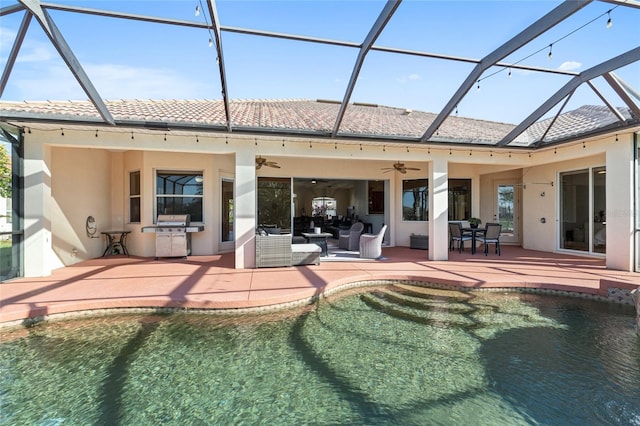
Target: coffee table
[318,239]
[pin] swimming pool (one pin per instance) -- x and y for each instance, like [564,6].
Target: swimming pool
[390,355]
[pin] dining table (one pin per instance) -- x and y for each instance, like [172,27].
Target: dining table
[474,232]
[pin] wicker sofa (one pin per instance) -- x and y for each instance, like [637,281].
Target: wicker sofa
[278,250]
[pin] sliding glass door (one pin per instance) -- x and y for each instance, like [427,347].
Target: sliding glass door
[11,204]
[583,210]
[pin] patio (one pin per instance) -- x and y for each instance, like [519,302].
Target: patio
[211,282]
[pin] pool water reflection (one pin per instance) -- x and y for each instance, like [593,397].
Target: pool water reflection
[389,355]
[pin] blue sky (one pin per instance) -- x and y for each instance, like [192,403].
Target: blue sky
[137,60]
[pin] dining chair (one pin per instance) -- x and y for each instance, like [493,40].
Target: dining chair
[455,229]
[491,235]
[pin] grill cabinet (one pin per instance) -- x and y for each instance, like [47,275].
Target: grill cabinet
[173,235]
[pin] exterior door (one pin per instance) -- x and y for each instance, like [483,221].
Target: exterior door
[507,210]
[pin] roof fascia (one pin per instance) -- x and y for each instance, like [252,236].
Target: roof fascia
[384,17]
[557,15]
[58,41]
[17,44]
[626,58]
[215,23]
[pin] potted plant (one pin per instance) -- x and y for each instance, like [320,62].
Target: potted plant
[474,222]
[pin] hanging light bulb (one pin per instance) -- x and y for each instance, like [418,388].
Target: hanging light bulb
[550,51]
[609,21]
[198,10]
[509,72]
[478,84]
[210,42]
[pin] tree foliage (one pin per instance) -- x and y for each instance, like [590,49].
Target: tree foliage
[5,173]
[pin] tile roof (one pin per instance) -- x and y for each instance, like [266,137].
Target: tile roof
[312,117]
[584,120]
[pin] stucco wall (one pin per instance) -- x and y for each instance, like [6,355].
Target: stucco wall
[81,183]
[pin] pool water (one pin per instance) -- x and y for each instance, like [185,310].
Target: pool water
[390,355]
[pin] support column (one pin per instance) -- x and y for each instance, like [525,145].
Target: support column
[245,209]
[439,209]
[38,251]
[619,193]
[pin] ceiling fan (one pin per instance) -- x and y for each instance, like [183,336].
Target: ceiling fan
[400,167]
[260,161]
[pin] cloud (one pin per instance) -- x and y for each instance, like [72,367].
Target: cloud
[410,77]
[30,51]
[570,66]
[112,81]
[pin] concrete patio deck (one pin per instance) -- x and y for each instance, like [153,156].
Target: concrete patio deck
[211,282]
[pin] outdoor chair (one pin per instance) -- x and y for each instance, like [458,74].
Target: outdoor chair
[349,239]
[455,230]
[491,235]
[371,244]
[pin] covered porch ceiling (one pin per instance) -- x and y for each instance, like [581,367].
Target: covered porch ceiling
[247,39]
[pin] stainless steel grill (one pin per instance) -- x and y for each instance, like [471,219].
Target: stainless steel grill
[173,235]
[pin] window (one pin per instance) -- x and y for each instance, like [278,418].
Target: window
[324,206]
[376,197]
[415,200]
[274,202]
[134,197]
[459,199]
[179,193]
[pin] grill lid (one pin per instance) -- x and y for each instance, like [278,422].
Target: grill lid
[173,220]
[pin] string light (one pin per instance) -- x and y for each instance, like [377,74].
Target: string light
[490,153]
[550,46]
[456,110]
[28,129]
[197,139]
[470,153]
[283,142]
[583,145]
[555,150]
[226,140]
[310,146]
[429,151]
[132,135]
[616,137]
[509,154]
[210,42]
[360,147]
[96,133]
[384,148]
[61,132]
[165,137]
[450,152]
[198,10]
[407,148]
